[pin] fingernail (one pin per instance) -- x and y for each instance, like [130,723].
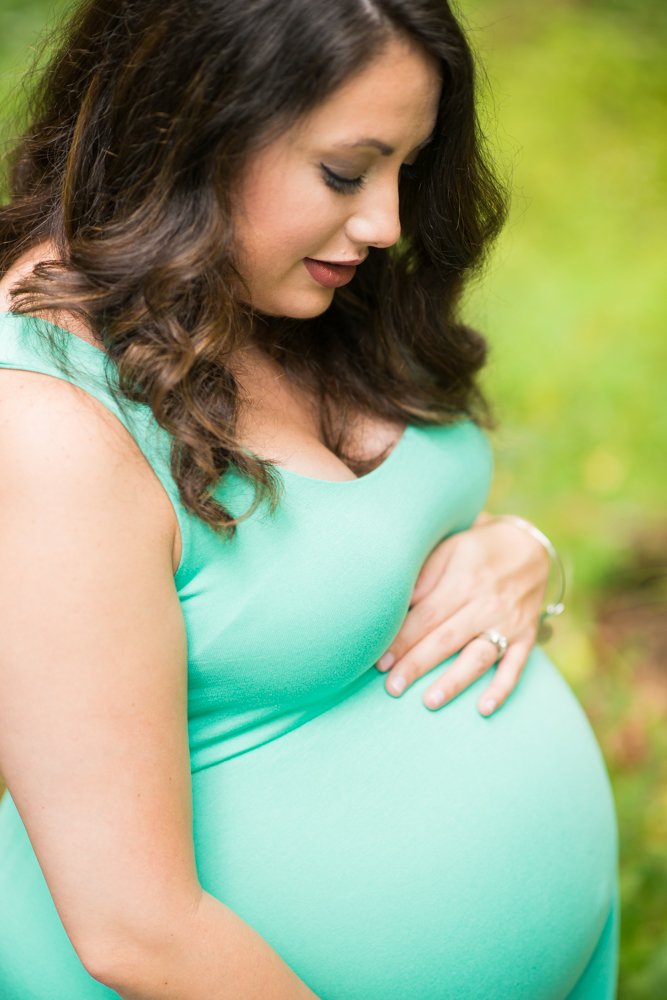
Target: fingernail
[398,685]
[489,706]
[386,661]
[435,699]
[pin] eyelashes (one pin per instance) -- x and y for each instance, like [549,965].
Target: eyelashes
[344,185]
[350,185]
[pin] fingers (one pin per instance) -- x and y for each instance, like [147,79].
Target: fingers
[507,675]
[473,661]
[432,570]
[492,580]
[423,618]
[436,646]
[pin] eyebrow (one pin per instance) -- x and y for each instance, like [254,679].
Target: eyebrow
[383,147]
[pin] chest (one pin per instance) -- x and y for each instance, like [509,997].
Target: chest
[301,602]
[280,421]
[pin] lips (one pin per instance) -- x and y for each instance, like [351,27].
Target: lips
[329,275]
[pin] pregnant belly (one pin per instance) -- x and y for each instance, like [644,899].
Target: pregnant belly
[389,852]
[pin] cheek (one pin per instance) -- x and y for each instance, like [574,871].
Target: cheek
[286,217]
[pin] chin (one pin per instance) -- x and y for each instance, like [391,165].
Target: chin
[301,305]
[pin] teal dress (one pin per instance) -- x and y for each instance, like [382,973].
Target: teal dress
[385,851]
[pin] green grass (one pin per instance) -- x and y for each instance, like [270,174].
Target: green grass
[575,307]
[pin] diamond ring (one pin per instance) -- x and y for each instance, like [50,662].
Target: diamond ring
[498,640]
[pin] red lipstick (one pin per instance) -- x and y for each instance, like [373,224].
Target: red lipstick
[329,273]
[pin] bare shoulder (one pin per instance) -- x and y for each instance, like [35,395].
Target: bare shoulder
[22,268]
[52,429]
[64,454]
[45,417]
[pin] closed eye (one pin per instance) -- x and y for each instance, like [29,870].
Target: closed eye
[344,185]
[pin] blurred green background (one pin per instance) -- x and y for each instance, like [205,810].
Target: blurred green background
[575,308]
[574,304]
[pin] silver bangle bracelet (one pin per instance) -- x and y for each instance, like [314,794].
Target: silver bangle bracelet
[555,607]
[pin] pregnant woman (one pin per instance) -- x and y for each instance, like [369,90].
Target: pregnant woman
[240,439]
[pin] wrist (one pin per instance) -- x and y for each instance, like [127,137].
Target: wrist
[556,606]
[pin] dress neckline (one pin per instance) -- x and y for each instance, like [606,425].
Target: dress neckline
[338,483]
[375,473]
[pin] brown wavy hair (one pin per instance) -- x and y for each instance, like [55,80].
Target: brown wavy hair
[141,125]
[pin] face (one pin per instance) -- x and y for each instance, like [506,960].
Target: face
[315,200]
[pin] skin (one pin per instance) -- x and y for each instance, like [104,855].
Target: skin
[390,110]
[93,665]
[492,579]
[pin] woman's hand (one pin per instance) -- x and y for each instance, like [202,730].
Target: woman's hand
[491,577]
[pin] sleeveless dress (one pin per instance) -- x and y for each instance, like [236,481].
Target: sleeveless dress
[385,851]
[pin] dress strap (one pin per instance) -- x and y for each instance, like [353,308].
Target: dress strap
[31,344]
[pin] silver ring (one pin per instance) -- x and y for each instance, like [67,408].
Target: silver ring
[498,640]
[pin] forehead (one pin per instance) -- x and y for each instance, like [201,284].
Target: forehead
[394,99]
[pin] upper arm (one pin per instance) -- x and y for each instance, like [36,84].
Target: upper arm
[93,679]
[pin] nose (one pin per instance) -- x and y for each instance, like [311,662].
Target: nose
[375,221]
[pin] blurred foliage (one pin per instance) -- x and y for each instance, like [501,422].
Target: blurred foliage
[574,304]
[23,28]
[575,308]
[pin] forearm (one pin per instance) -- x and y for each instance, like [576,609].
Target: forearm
[211,955]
